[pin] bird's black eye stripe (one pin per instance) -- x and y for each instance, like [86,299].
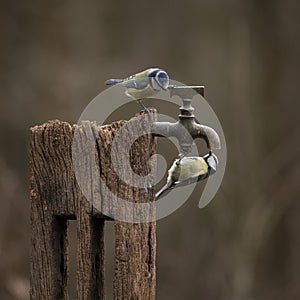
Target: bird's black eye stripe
[153,73]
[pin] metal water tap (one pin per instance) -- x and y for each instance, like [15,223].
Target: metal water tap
[186,129]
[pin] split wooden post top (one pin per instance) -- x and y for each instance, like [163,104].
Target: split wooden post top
[57,196]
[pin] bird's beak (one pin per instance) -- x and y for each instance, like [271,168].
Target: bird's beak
[165,88]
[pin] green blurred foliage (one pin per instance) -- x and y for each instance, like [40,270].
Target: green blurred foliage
[55,56]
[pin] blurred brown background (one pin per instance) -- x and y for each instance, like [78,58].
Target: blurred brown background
[55,56]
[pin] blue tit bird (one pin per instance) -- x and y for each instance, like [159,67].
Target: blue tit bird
[144,84]
[187,170]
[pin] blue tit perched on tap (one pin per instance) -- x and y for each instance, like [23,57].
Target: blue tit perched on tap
[144,84]
[187,170]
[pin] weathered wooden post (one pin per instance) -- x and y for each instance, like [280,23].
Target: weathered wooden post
[56,198]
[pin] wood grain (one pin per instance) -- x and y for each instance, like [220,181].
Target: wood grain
[56,197]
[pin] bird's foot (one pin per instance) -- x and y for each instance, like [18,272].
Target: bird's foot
[146,110]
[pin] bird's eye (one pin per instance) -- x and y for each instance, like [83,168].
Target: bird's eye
[162,75]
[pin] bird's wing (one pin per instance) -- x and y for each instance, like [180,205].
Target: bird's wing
[137,83]
[190,180]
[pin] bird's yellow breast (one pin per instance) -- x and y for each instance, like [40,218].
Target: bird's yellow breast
[188,168]
[140,94]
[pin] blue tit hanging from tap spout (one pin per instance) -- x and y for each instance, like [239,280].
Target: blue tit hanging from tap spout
[144,84]
[187,170]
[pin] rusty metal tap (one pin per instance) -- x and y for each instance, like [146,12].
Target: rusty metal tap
[186,129]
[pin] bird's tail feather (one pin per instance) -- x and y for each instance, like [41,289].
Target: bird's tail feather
[113,81]
[163,190]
